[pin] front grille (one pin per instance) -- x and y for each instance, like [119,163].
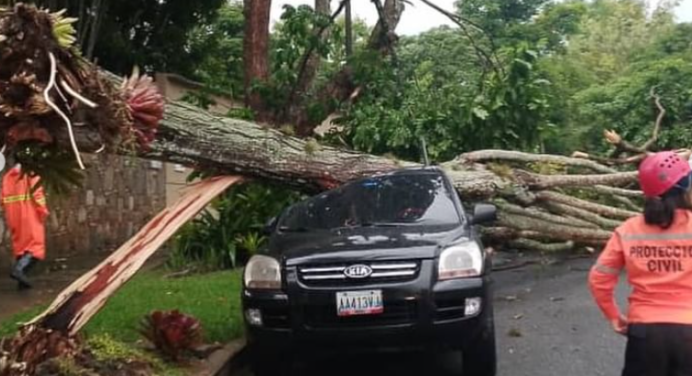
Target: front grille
[382,271]
[395,313]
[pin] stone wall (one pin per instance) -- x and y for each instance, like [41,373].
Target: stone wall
[119,195]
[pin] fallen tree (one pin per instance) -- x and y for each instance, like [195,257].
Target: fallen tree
[544,200]
[56,105]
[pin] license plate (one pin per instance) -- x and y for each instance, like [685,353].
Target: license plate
[353,303]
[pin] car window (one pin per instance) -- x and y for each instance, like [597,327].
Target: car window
[406,199]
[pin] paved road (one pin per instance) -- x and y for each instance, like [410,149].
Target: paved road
[555,331]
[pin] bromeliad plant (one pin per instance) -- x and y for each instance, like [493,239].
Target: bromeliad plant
[47,87]
[174,334]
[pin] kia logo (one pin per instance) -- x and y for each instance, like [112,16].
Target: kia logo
[358,271]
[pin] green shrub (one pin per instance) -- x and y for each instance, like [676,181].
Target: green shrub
[229,231]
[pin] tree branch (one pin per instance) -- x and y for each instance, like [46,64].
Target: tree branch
[301,84]
[517,156]
[537,246]
[392,14]
[615,191]
[549,196]
[612,161]
[564,209]
[659,119]
[482,55]
[545,216]
[551,231]
[540,181]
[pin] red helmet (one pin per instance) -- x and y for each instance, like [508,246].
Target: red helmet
[660,172]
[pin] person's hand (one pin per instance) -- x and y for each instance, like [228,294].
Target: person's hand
[620,325]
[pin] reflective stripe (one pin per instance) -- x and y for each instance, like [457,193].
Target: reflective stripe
[16,198]
[664,236]
[606,269]
[21,198]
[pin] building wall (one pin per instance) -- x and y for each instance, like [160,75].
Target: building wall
[175,87]
[119,195]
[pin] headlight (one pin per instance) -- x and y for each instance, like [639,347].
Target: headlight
[460,260]
[263,272]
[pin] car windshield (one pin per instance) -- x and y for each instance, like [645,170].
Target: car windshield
[420,199]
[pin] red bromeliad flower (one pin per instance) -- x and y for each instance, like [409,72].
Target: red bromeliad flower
[172,332]
[146,106]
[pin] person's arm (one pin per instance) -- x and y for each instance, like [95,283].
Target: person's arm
[39,199]
[604,276]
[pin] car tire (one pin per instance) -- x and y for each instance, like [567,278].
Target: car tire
[479,358]
[267,363]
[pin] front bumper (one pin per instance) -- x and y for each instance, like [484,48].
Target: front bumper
[415,315]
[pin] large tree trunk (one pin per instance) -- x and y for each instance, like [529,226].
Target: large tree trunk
[308,74]
[348,30]
[342,88]
[533,206]
[256,50]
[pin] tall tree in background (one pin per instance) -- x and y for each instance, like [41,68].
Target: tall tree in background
[308,67]
[256,51]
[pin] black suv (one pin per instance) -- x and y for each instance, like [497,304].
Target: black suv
[390,261]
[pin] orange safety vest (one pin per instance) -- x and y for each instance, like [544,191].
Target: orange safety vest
[25,213]
[659,269]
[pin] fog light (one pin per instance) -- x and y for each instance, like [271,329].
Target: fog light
[253,317]
[473,306]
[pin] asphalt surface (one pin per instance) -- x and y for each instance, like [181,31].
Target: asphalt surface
[546,323]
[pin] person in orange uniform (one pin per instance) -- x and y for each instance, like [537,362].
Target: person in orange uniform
[24,204]
[655,250]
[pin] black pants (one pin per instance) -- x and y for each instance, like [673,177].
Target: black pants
[658,350]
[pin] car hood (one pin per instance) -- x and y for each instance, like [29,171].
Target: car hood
[361,244]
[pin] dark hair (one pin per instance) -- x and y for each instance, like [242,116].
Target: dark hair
[660,211]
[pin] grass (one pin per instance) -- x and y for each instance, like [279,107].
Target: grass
[9,326]
[213,298]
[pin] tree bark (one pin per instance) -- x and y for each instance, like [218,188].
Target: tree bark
[190,136]
[313,61]
[383,35]
[256,51]
[348,30]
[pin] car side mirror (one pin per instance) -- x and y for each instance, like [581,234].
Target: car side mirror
[270,226]
[483,213]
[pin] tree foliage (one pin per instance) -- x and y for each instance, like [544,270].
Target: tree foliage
[217,48]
